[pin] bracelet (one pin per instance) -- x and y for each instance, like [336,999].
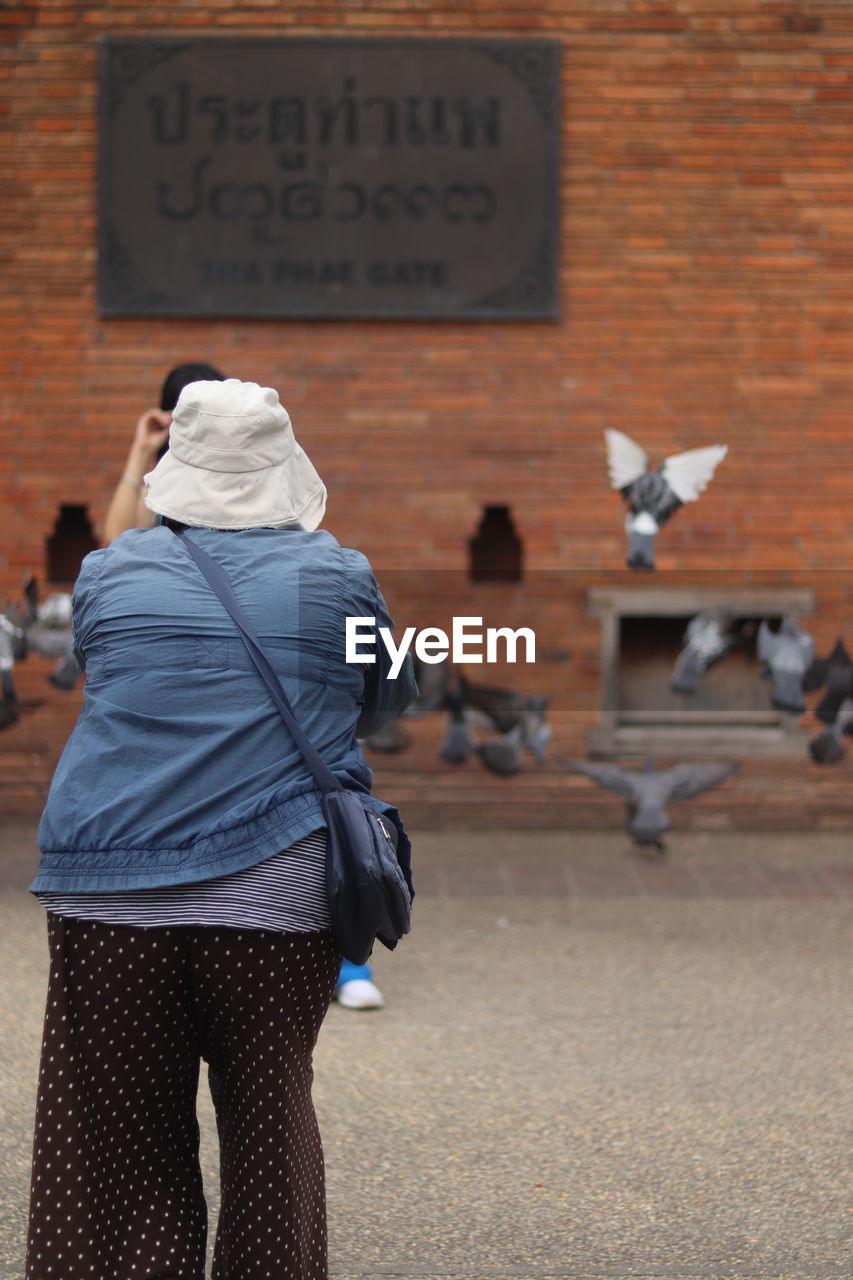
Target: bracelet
[134,484]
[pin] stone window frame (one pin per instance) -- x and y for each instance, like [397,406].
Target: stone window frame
[770,733]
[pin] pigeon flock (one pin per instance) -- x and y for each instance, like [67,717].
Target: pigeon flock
[496,726]
[35,628]
[501,727]
[786,658]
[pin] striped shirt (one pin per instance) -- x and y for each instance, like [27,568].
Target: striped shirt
[286,893]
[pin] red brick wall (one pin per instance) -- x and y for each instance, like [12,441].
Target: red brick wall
[706,292]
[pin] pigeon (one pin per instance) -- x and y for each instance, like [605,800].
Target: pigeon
[784,656]
[29,614]
[49,633]
[654,496]
[433,679]
[503,754]
[518,721]
[500,709]
[835,674]
[503,709]
[11,637]
[65,674]
[459,742]
[48,641]
[649,790]
[708,638]
[827,747]
[55,613]
[536,731]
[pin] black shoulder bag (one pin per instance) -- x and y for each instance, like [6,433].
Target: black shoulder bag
[367,891]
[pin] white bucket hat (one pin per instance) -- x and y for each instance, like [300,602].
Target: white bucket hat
[233,462]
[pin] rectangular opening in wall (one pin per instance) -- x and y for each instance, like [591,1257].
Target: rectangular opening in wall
[495,551]
[729,709]
[731,691]
[70,542]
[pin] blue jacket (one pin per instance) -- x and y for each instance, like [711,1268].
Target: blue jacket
[179,767]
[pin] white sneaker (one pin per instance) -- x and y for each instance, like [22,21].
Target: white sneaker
[361,993]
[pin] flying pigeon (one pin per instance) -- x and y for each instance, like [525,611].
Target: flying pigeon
[835,674]
[649,790]
[827,747]
[654,496]
[708,638]
[784,656]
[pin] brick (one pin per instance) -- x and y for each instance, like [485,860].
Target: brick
[706,269]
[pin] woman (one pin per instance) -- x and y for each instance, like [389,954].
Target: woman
[355,988]
[182,866]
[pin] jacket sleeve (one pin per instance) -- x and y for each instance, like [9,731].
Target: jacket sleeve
[386,696]
[84,604]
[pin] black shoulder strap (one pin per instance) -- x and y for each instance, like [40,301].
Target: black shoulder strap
[219,582]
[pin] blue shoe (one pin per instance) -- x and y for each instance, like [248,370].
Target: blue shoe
[359,993]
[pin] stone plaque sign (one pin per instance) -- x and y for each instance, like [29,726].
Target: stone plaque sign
[328,177]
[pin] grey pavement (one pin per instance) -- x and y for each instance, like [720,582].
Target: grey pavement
[588,1067]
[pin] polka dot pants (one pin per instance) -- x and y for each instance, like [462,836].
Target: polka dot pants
[116,1189]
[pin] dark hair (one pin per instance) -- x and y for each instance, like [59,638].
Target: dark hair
[181,376]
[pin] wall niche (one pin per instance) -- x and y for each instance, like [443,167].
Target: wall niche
[495,552]
[71,540]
